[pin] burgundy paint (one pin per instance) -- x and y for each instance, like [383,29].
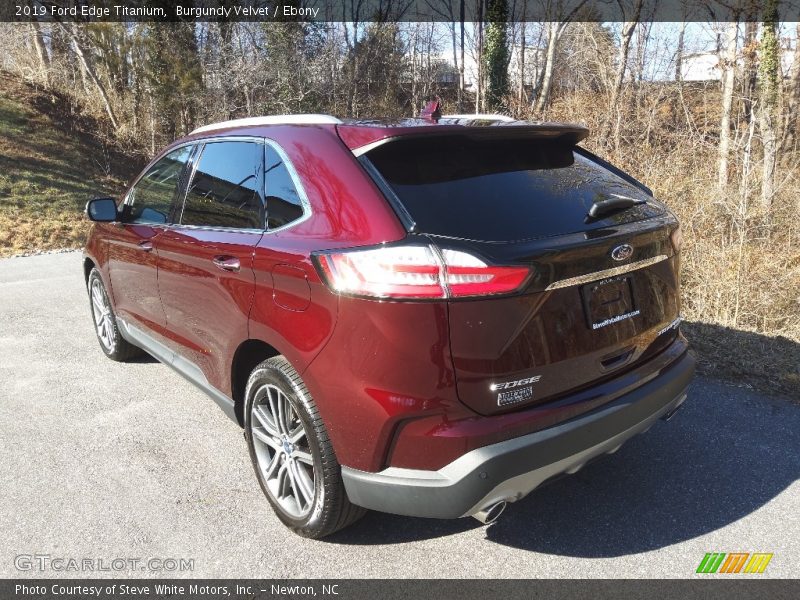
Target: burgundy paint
[397,383]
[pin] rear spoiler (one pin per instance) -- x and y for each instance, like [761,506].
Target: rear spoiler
[361,139]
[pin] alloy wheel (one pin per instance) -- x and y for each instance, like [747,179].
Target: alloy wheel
[103,316]
[282,451]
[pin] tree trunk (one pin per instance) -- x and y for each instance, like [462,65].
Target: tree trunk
[643,40]
[679,52]
[791,122]
[479,87]
[728,64]
[224,31]
[521,58]
[41,52]
[416,101]
[543,90]
[462,84]
[750,75]
[744,185]
[495,55]
[355,67]
[86,63]
[628,27]
[769,74]
[769,141]
[152,122]
[545,78]
[454,42]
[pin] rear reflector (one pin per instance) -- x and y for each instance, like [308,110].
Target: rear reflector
[416,272]
[677,238]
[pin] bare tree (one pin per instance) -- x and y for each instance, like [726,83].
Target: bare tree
[41,51]
[769,76]
[680,51]
[728,65]
[479,86]
[523,42]
[495,56]
[86,62]
[628,28]
[554,31]
[749,67]
[457,27]
[793,104]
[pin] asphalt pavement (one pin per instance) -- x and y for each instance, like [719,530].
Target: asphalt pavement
[107,461]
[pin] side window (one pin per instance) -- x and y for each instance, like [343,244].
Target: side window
[224,191]
[151,198]
[283,201]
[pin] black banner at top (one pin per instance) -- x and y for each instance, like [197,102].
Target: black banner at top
[88,11]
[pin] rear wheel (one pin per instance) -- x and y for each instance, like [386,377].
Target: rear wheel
[111,341]
[292,455]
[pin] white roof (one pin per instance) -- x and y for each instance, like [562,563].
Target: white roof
[271,120]
[480,117]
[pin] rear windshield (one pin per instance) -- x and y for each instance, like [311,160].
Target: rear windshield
[501,190]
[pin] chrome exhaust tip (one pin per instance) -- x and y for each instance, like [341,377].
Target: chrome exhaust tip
[491,513]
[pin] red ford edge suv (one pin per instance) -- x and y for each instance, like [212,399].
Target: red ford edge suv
[427,317]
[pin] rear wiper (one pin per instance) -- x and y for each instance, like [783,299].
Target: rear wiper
[615,203]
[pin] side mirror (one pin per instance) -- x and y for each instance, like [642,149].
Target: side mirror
[103,210]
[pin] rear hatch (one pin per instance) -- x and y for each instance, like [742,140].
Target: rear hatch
[602,296]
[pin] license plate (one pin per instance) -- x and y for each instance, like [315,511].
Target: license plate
[514,396]
[608,301]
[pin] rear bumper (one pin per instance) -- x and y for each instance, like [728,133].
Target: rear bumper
[509,470]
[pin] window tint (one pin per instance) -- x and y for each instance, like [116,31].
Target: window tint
[224,191]
[151,197]
[283,200]
[501,190]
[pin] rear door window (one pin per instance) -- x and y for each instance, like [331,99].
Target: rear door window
[501,189]
[150,200]
[225,190]
[283,200]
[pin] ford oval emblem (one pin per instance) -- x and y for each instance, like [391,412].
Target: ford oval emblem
[623,252]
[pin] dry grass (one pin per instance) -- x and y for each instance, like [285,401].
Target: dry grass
[50,165]
[740,270]
[756,361]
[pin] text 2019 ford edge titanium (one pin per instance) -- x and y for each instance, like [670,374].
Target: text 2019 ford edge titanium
[427,317]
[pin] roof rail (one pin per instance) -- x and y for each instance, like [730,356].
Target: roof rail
[271,120]
[480,117]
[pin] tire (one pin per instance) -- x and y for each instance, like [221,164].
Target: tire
[292,455]
[113,345]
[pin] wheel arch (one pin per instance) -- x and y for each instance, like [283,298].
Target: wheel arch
[88,265]
[248,355]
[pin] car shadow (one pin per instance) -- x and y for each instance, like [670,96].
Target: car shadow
[724,455]
[143,358]
[772,363]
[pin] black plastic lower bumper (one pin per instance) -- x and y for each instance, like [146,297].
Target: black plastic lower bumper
[509,470]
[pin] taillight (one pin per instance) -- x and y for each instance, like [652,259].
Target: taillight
[416,272]
[467,275]
[403,271]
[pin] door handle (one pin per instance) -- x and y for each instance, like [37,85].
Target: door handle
[227,263]
[146,246]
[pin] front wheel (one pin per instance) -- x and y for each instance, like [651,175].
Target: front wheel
[292,455]
[111,341]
